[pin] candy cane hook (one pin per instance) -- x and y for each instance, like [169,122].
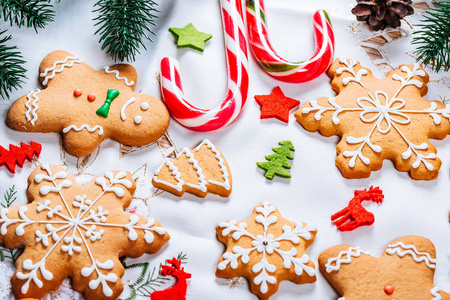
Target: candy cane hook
[237,66]
[279,67]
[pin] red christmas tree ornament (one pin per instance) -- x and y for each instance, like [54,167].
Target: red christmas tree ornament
[276,105]
[355,215]
[178,291]
[17,155]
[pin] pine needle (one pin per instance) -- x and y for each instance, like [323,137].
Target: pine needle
[124,26]
[9,254]
[10,196]
[12,71]
[434,38]
[29,13]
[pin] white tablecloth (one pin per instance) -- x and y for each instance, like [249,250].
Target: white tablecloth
[316,189]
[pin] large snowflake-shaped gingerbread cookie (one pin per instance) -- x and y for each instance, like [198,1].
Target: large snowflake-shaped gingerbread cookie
[77,231]
[404,271]
[379,119]
[266,248]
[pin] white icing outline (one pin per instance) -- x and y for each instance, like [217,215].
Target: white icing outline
[200,177]
[383,112]
[137,120]
[89,224]
[338,260]
[107,71]
[74,59]
[34,104]
[223,169]
[84,126]
[416,255]
[124,107]
[175,173]
[435,293]
[267,243]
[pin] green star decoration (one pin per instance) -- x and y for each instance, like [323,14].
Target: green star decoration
[190,37]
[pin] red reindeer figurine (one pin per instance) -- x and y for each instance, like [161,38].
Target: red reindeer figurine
[178,291]
[355,213]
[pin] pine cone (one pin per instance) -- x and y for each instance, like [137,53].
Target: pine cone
[381,13]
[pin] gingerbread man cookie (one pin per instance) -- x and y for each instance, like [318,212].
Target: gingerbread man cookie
[89,106]
[266,249]
[405,270]
[77,231]
[199,171]
[379,119]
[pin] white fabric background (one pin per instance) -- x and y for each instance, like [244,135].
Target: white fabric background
[316,189]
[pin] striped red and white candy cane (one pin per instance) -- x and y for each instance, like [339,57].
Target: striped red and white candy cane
[237,66]
[279,67]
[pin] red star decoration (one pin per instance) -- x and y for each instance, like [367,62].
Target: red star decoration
[276,105]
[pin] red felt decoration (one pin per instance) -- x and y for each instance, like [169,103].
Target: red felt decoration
[178,291]
[355,214]
[276,105]
[17,155]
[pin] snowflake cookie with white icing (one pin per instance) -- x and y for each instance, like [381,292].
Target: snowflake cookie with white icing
[266,249]
[198,171]
[405,270]
[77,231]
[379,119]
[89,106]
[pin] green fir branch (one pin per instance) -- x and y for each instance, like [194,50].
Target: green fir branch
[12,71]
[124,26]
[183,257]
[433,39]
[10,196]
[29,13]
[148,281]
[9,254]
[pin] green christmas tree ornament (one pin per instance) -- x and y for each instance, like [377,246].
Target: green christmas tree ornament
[278,162]
[104,109]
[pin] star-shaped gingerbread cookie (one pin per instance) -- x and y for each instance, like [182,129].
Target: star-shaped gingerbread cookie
[77,231]
[266,249]
[405,270]
[89,106]
[379,119]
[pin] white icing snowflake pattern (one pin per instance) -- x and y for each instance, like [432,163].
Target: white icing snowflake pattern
[266,245]
[74,229]
[386,114]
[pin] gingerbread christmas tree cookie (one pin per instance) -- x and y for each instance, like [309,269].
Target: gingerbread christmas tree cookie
[199,171]
[379,119]
[77,231]
[89,106]
[405,270]
[266,249]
